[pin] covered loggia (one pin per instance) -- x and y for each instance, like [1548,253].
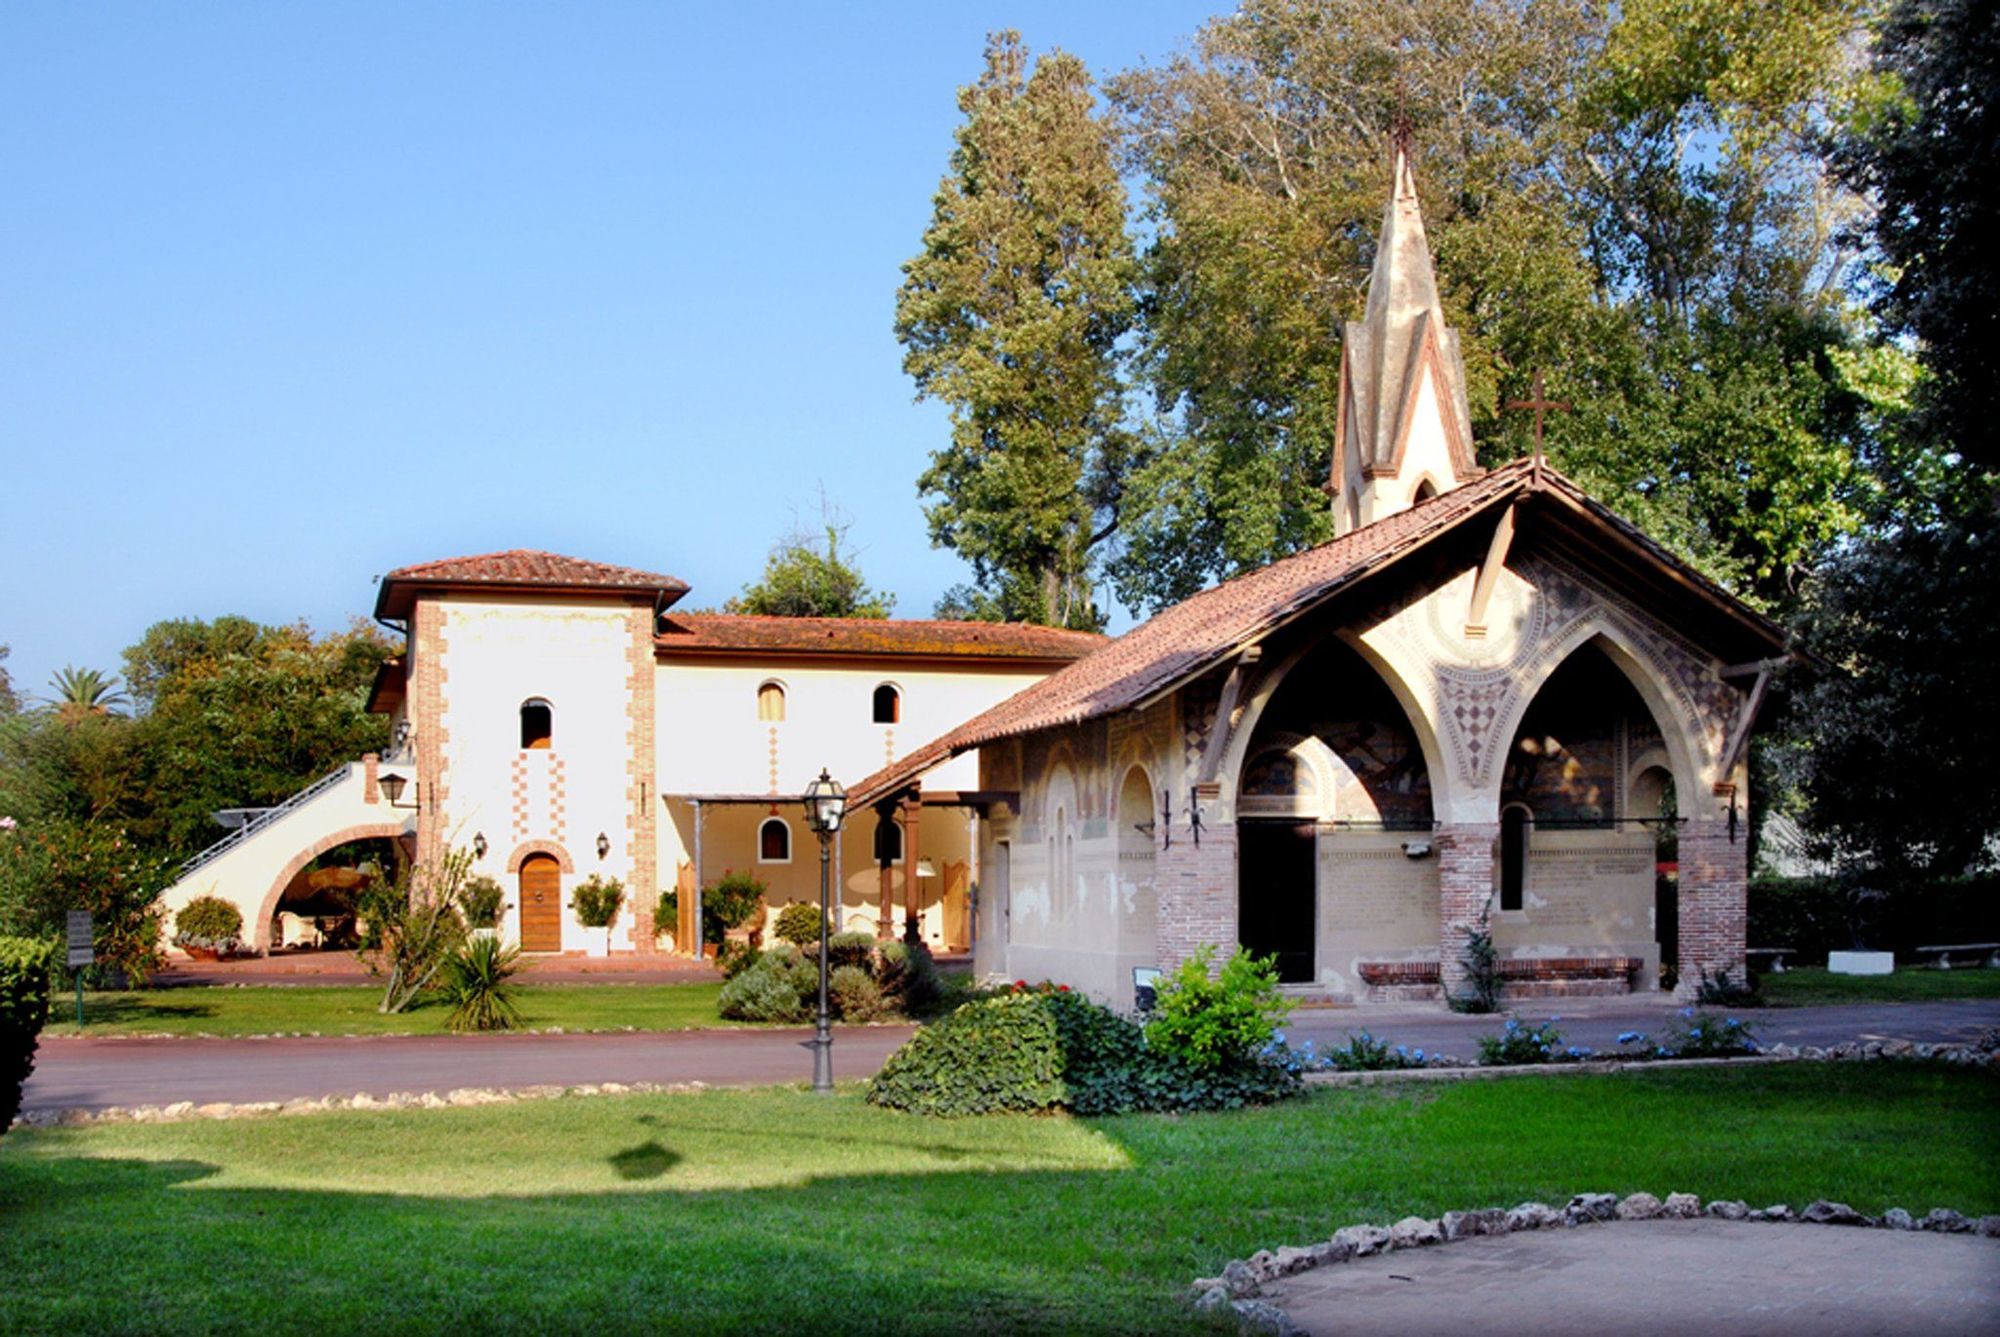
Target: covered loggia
[1333,785]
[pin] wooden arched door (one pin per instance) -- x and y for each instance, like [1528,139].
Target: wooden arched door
[541,904]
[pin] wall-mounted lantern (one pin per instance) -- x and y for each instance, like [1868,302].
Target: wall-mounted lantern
[479,845]
[603,844]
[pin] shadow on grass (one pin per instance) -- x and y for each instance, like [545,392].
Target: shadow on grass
[127,1009]
[648,1160]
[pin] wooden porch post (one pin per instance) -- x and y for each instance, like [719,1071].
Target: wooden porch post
[912,910]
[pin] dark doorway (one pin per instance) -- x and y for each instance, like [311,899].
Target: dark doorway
[1277,884]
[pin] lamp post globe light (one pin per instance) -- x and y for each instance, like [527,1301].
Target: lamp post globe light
[825,804]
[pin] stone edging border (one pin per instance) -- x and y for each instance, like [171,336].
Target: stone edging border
[1982,1053]
[1241,1280]
[400,1100]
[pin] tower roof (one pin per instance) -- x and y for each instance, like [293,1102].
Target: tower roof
[1401,333]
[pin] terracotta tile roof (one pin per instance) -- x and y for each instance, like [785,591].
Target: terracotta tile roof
[1202,631]
[734,633]
[520,569]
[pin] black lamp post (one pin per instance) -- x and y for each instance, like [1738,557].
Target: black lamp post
[825,803]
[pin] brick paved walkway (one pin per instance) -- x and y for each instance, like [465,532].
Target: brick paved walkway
[1678,1277]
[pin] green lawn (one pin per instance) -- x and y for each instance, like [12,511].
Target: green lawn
[1807,987]
[331,1010]
[776,1211]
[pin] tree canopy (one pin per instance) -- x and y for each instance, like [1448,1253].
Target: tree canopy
[1012,314]
[813,575]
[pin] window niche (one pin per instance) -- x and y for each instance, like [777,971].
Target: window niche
[774,841]
[888,705]
[771,702]
[1516,822]
[537,725]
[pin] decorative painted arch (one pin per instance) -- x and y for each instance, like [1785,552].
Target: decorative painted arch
[1307,751]
[548,847]
[1237,752]
[268,906]
[1685,735]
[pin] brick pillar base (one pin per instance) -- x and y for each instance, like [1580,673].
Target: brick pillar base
[1714,902]
[1196,886]
[1465,889]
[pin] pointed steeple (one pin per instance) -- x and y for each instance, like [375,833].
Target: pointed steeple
[1404,427]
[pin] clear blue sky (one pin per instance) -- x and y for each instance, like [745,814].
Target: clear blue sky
[294,294]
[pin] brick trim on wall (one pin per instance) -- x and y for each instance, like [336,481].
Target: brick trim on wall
[427,706]
[548,847]
[641,821]
[260,932]
[1196,887]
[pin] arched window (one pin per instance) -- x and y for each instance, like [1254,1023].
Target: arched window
[888,704]
[771,702]
[1425,491]
[888,840]
[1516,820]
[538,720]
[774,841]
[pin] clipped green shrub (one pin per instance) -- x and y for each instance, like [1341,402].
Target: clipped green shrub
[1218,1024]
[596,901]
[481,900]
[853,994]
[792,963]
[25,968]
[851,949]
[477,982]
[208,919]
[993,1055]
[910,976]
[799,924]
[764,992]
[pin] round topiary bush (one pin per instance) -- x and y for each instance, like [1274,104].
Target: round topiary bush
[764,992]
[853,994]
[798,924]
[851,949]
[208,919]
[991,1055]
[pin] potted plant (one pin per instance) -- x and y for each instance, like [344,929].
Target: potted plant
[482,902]
[595,902]
[208,928]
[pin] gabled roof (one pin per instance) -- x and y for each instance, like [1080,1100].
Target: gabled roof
[732,634]
[1205,630]
[520,570]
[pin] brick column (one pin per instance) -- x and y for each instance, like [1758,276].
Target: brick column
[1196,887]
[1465,853]
[1714,901]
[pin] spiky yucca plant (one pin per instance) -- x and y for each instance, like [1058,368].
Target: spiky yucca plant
[477,981]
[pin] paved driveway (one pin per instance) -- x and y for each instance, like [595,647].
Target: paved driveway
[91,1073]
[94,1073]
[1597,1022]
[1665,1277]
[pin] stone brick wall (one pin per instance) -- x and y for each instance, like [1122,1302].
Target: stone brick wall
[427,652]
[1465,888]
[1714,890]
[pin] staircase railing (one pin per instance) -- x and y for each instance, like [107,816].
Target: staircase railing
[266,817]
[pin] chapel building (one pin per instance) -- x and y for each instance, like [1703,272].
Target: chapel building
[1488,705]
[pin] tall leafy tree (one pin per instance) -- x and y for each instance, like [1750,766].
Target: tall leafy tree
[1012,314]
[9,703]
[813,575]
[1928,152]
[1626,199]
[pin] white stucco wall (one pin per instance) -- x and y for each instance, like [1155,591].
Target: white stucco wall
[498,654]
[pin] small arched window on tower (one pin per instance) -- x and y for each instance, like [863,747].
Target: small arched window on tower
[1425,491]
[888,704]
[771,702]
[1516,820]
[774,841]
[538,722]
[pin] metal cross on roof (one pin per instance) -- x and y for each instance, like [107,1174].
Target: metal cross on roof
[1541,404]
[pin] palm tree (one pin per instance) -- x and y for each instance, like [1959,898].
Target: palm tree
[84,692]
